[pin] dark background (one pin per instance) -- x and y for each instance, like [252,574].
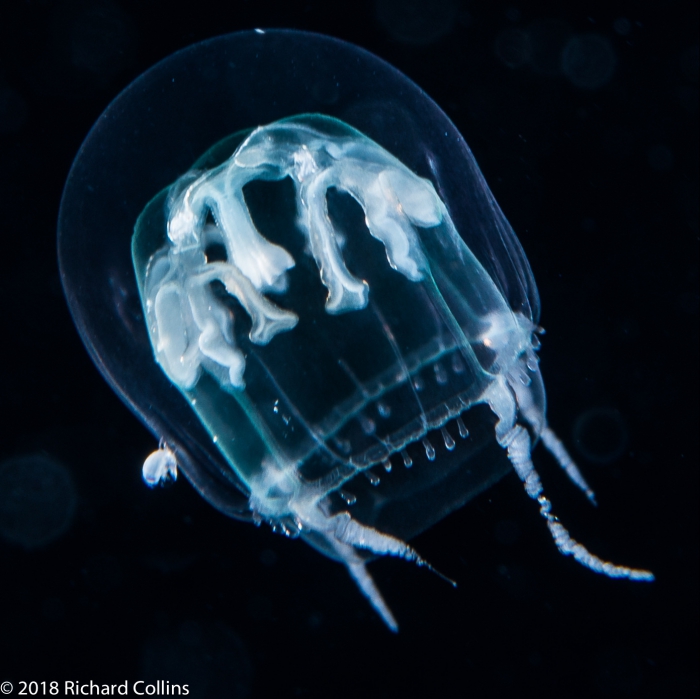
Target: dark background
[595,165]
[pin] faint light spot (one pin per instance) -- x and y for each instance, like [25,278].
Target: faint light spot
[268,557]
[315,620]
[660,158]
[589,61]
[513,47]
[513,14]
[600,434]
[534,658]
[588,225]
[622,26]
[37,500]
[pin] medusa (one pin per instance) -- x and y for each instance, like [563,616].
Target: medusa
[330,289]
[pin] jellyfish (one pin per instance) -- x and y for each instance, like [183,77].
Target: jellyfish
[295,274]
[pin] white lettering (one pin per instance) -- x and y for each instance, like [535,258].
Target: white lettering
[139,688]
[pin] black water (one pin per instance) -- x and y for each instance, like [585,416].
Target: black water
[583,120]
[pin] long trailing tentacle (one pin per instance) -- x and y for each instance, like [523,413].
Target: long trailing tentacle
[517,445]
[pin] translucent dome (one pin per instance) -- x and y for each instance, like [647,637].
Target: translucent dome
[327,319]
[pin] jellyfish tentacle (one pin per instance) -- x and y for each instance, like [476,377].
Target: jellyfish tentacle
[517,445]
[557,449]
[359,573]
